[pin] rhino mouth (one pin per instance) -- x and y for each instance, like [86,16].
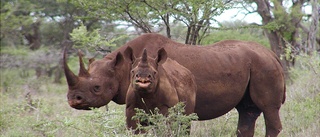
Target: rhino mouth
[79,106]
[83,108]
[143,83]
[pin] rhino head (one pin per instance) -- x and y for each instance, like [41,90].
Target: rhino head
[144,73]
[97,86]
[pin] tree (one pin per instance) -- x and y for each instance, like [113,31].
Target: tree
[312,37]
[36,22]
[197,15]
[284,26]
[18,22]
[237,30]
[156,15]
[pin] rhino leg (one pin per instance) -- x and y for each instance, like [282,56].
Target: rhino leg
[131,124]
[268,94]
[272,121]
[248,114]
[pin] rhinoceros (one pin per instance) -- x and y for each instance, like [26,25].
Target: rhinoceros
[228,74]
[158,83]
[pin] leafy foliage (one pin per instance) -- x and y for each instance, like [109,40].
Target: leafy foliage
[176,123]
[157,15]
[238,31]
[302,106]
[284,21]
[307,69]
[81,37]
[92,40]
[50,34]
[15,16]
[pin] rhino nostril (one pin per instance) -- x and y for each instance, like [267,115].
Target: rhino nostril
[78,97]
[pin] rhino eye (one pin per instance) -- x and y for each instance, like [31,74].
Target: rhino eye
[96,88]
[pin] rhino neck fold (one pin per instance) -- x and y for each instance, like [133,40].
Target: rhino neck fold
[124,81]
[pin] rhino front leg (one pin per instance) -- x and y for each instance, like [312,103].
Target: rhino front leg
[131,124]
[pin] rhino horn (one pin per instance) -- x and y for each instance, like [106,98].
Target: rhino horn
[83,72]
[144,58]
[72,79]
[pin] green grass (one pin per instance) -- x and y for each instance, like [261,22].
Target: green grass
[46,111]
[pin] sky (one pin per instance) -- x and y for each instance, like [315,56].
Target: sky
[229,15]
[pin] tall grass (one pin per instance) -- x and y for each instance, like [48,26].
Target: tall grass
[301,112]
[31,106]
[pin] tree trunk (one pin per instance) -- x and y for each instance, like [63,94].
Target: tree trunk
[193,34]
[276,42]
[58,73]
[313,27]
[34,39]
[274,38]
[191,39]
[188,35]
[168,29]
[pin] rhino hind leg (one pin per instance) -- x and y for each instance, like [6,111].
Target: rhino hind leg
[273,123]
[248,114]
[267,93]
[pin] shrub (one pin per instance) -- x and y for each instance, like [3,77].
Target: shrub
[301,109]
[305,76]
[175,124]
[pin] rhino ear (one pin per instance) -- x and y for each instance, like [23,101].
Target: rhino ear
[117,60]
[91,60]
[162,56]
[128,54]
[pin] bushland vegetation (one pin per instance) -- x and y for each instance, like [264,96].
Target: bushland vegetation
[35,106]
[34,33]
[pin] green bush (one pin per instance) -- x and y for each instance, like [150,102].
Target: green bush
[305,76]
[235,35]
[84,39]
[175,124]
[301,109]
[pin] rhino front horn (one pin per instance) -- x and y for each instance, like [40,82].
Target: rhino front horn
[144,59]
[72,79]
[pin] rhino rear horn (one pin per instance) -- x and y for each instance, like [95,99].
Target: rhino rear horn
[83,72]
[72,79]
